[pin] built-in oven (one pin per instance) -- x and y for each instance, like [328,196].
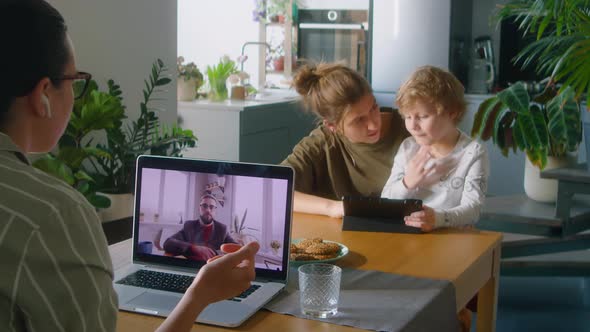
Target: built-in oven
[334,35]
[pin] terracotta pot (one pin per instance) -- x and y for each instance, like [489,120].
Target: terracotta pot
[279,64]
[543,190]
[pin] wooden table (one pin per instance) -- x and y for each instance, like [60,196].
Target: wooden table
[468,258]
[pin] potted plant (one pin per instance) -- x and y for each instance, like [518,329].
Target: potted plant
[108,168]
[238,230]
[95,111]
[275,245]
[562,32]
[547,128]
[189,80]
[145,135]
[218,75]
[277,58]
[275,11]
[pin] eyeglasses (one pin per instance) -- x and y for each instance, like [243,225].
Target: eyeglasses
[205,206]
[81,82]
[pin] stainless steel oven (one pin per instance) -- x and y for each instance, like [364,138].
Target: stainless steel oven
[334,35]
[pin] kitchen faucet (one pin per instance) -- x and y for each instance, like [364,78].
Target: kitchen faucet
[251,43]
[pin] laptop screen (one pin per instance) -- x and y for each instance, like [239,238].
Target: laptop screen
[185,209]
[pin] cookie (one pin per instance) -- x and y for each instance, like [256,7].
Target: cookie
[322,248]
[294,249]
[308,242]
[322,257]
[302,257]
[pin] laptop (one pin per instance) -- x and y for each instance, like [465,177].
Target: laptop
[176,202]
[377,214]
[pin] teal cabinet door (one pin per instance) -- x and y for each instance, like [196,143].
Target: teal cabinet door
[269,132]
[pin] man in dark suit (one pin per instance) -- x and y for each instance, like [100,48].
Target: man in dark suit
[200,239]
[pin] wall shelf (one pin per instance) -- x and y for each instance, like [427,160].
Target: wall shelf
[265,35]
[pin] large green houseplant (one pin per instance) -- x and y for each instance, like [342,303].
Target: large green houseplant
[109,167]
[94,112]
[562,32]
[546,127]
[116,173]
[561,49]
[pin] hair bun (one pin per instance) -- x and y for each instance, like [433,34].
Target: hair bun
[306,79]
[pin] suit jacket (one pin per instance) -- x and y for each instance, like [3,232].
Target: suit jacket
[191,233]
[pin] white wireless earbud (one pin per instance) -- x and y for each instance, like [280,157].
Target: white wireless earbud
[45,102]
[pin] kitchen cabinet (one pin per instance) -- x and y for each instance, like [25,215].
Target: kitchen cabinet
[248,131]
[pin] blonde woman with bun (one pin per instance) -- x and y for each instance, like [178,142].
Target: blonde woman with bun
[351,152]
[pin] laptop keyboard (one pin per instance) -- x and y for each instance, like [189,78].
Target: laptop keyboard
[170,282]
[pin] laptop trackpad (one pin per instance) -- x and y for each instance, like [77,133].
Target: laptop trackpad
[163,302]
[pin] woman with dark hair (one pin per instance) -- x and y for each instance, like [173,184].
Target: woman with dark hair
[351,152]
[56,270]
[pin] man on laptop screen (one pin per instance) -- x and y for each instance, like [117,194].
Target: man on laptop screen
[241,210]
[200,239]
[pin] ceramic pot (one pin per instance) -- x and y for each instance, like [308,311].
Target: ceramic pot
[121,207]
[543,190]
[186,90]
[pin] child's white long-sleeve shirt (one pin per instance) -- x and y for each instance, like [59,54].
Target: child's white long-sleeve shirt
[455,189]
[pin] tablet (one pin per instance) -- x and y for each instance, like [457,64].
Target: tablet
[375,214]
[377,207]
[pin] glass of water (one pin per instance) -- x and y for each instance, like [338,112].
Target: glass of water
[319,286]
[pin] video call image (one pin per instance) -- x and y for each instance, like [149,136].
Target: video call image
[188,215]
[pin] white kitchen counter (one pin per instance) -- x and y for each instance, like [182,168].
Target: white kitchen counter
[265,98]
[260,130]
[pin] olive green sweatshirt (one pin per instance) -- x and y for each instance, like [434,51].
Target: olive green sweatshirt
[327,164]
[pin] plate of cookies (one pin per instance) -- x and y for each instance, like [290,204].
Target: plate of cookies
[316,250]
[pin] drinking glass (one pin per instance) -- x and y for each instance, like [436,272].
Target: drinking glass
[319,286]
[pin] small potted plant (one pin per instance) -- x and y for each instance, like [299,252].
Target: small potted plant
[238,83]
[274,11]
[238,230]
[190,79]
[218,75]
[277,58]
[275,246]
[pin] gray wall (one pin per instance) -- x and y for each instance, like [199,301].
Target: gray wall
[120,39]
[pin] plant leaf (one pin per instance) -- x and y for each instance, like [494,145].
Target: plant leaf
[564,119]
[479,120]
[516,98]
[55,167]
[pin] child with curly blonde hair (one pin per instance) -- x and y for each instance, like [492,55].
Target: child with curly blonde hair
[438,164]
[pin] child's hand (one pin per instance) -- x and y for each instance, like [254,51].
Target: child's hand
[416,170]
[335,209]
[421,219]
